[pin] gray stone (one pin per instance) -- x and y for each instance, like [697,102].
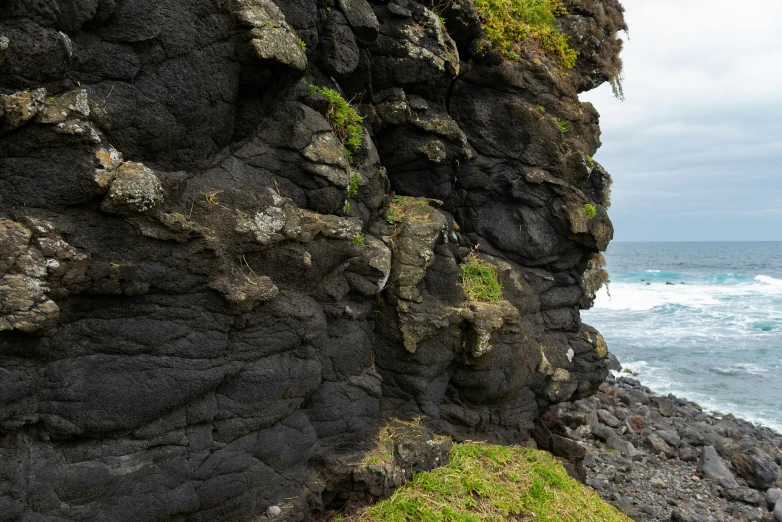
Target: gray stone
[657,445]
[778,511]
[744,494]
[608,419]
[712,467]
[671,437]
[757,468]
[772,496]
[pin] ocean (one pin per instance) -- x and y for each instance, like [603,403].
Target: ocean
[713,335]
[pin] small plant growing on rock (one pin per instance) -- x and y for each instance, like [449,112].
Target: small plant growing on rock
[344,120]
[302,44]
[590,160]
[508,23]
[564,126]
[479,280]
[359,240]
[541,108]
[353,185]
[590,210]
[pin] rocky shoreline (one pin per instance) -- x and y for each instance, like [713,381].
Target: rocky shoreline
[663,458]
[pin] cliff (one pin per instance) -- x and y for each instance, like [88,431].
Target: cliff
[219,279]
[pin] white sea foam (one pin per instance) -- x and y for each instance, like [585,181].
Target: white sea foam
[654,271]
[641,296]
[768,280]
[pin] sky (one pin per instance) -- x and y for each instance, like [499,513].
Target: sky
[696,149]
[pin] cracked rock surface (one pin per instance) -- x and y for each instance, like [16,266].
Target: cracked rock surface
[207,308]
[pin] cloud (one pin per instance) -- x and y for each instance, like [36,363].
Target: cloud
[696,150]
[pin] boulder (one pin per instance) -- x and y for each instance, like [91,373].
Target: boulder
[757,468]
[712,467]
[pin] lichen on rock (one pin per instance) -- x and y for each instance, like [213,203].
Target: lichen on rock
[135,189]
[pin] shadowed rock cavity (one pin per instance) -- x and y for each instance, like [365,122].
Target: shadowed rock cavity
[206,309]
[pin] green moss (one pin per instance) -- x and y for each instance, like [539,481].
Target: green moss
[590,210]
[590,160]
[347,207]
[493,483]
[508,23]
[344,120]
[480,281]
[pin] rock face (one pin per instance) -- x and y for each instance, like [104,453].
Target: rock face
[207,305]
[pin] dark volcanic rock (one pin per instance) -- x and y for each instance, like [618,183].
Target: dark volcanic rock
[208,310]
[685,465]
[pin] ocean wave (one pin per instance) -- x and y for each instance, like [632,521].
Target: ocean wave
[768,280]
[653,271]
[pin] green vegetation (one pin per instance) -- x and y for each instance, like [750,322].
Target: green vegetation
[50,99]
[359,240]
[347,207]
[344,120]
[590,210]
[353,185]
[485,483]
[508,23]
[564,126]
[302,44]
[480,281]
[541,108]
[590,160]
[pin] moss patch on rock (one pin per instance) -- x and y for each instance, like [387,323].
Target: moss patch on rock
[493,483]
[509,23]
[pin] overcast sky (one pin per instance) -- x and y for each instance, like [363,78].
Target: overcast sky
[696,149]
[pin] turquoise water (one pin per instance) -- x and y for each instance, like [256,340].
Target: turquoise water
[714,335]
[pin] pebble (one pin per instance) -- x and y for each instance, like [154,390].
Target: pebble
[662,458]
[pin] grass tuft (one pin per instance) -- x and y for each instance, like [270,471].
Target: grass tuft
[564,126]
[508,23]
[359,240]
[485,483]
[590,210]
[344,120]
[480,281]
